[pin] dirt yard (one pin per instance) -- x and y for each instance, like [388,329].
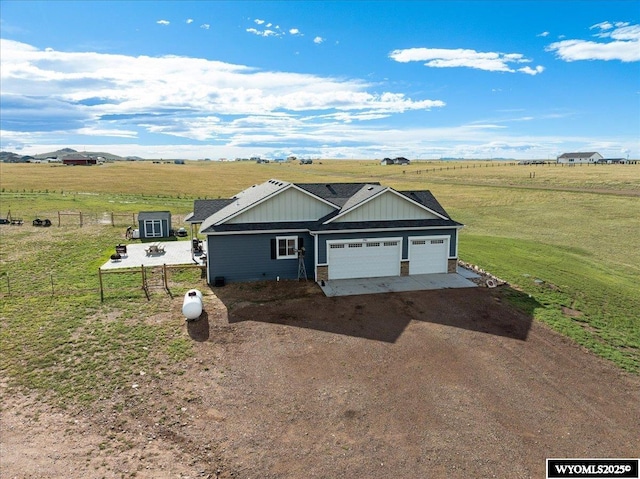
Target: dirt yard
[286,383]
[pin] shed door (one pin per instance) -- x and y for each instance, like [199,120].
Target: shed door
[428,254]
[363,258]
[153,228]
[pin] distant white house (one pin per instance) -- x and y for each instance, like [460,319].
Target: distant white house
[575,158]
[401,160]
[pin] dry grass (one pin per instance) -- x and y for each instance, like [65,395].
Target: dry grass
[215,179]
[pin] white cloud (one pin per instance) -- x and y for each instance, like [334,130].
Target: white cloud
[170,95]
[189,21]
[318,40]
[452,58]
[205,26]
[531,71]
[543,34]
[264,33]
[258,21]
[294,31]
[163,22]
[624,44]
[114,132]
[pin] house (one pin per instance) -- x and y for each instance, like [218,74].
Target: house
[401,160]
[154,224]
[612,161]
[575,158]
[336,230]
[75,159]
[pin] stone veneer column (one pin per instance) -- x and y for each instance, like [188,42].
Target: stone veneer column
[323,273]
[404,268]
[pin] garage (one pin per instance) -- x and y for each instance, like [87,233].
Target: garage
[428,254]
[364,258]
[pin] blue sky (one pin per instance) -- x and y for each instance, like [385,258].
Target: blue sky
[510,79]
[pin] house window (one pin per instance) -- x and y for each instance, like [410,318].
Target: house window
[287,247]
[153,228]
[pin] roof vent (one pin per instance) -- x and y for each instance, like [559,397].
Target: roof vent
[370,188]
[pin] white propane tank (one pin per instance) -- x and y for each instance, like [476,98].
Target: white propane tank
[192,305]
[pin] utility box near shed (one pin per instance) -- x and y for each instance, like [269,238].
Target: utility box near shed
[154,224]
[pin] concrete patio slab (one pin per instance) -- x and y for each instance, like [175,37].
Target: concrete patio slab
[394,284]
[175,252]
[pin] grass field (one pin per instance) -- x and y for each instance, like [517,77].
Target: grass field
[567,237]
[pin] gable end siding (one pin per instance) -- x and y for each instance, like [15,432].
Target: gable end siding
[386,207]
[290,205]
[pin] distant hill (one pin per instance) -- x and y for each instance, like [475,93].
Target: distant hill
[66,151]
[10,157]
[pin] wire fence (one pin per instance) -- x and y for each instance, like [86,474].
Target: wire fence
[493,164]
[79,218]
[139,281]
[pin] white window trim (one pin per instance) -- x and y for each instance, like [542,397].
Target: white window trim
[287,239]
[150,227]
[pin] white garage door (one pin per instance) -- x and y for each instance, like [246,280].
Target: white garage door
[364,258]
[428,254]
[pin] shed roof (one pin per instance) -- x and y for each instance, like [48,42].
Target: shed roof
[153,215]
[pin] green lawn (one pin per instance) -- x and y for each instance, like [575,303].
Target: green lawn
[568,238]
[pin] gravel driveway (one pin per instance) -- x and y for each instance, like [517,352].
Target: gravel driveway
[287,383]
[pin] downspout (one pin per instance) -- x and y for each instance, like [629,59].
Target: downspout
[315,255]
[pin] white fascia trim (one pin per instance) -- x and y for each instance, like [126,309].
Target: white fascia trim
[256,232]
[268,197]
[252,205]
[419,205]
[377,230]
[401,196]
[356,206]
[326,202]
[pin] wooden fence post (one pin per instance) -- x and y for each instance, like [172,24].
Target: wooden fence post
[164,277]
[101,288]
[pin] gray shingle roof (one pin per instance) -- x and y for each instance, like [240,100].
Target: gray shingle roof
[588,154]
[426,198]
[336,193]
[343,195]
[202,209]
[153,215]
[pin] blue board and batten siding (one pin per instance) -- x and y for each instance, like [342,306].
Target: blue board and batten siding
[452,232]
[248,257]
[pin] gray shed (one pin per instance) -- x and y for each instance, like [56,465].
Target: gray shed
[154,224]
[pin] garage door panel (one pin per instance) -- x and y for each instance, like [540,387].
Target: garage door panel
[364,259]
[428,255]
